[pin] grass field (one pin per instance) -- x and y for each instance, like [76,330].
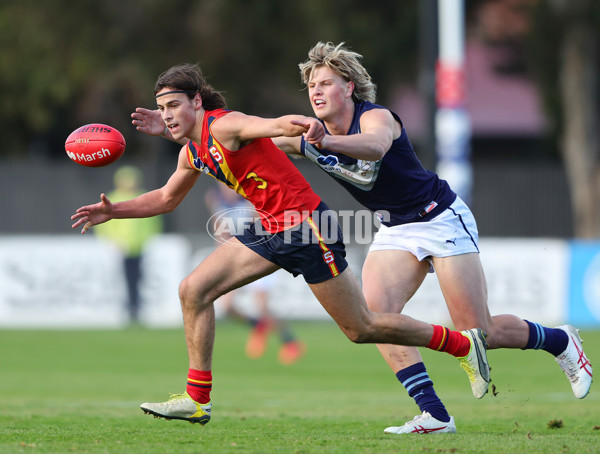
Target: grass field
[79,392]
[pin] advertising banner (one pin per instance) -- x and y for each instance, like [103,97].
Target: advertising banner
[67,282]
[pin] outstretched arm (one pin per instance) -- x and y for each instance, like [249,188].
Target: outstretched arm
[314,134]
[152,203]
[235,129]
[289,145]
[90,215]
[378,131]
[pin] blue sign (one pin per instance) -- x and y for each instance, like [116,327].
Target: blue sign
[584,287]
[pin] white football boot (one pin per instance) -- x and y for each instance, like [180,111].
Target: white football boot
[574,363]
[424,424]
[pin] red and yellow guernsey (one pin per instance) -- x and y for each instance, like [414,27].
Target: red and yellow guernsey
[259,172]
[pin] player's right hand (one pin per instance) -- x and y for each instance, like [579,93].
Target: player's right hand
[148,121]
[90,215]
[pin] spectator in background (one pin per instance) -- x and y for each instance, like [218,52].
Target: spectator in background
[130,235]
[227,205]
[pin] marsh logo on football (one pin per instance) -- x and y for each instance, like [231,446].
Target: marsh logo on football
[591,286]
[83,157]
[234,221]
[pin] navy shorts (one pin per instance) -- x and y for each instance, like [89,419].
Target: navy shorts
[314,248]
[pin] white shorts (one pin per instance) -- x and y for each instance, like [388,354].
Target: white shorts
[452,232]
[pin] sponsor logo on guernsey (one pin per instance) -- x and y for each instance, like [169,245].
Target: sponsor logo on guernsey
[328,160]
[362,174]
[331,163]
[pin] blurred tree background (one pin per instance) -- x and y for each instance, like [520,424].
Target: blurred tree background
[66,63]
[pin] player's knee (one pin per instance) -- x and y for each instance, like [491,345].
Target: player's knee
[381,303]
[189,294]
[184,292]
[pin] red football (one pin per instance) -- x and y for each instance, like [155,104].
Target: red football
[95,145]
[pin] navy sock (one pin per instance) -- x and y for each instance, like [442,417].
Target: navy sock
[285,333]
[552,340]
[420,387]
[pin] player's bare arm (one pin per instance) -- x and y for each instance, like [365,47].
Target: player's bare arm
[162,200]
[152,203]
[236,128]
[378,130]
[289,145]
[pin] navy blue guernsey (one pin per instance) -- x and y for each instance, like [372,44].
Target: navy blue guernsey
[397,187]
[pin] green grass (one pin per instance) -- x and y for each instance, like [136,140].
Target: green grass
[75,391]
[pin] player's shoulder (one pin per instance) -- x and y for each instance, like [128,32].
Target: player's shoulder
[366,109]
[366,106]
[224,120]
[190,147]
[375,114]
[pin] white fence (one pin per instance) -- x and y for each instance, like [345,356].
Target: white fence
[77,282]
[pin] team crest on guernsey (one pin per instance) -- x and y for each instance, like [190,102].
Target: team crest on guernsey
[198,164]
[196,161]
[212,162]
[208,163]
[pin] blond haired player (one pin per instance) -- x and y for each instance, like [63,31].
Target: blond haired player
[425,227]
